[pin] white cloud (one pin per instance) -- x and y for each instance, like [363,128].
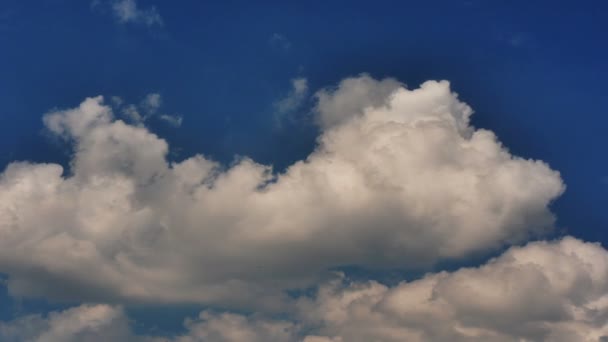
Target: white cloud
[127,11]
[398,179]
[545,291]
[356,94]
[554,291]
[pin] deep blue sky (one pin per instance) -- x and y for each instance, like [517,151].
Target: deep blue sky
[535,72]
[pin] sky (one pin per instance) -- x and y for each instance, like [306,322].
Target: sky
[303,171]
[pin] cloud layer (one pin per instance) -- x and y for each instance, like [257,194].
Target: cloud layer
[545,291]
[399,179]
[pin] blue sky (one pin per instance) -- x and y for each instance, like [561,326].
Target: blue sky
[534,73]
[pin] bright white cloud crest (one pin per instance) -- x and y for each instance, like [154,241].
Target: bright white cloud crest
[399,179]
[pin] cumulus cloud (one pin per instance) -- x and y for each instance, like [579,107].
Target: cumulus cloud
[545,291]
[555,291]
[354,95]
[127,11]
[399,179]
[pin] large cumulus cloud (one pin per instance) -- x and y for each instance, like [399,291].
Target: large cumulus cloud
[555,291]
[399,178]
[545,291]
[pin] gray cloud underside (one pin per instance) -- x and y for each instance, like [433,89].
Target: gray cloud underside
[546,291]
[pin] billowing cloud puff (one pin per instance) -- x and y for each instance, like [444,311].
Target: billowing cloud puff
[554,291]
[545,291]
[399,179]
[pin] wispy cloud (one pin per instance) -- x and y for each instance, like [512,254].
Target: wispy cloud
[127,11]
[295,97]
[279,41]
[286,107]
[173,120]
[147,108]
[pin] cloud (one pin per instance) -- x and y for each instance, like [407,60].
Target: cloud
[92,323]
[147,108]
[545,291]
[132,113]
[127,11]
[354,95]
[286,107]
[151,103]
[296,96]
[399,179]
[173,120]
[228,327]
[279,41]
[101,323]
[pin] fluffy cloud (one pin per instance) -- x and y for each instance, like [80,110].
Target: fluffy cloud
[545,291]
[554,291]
[399,179]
